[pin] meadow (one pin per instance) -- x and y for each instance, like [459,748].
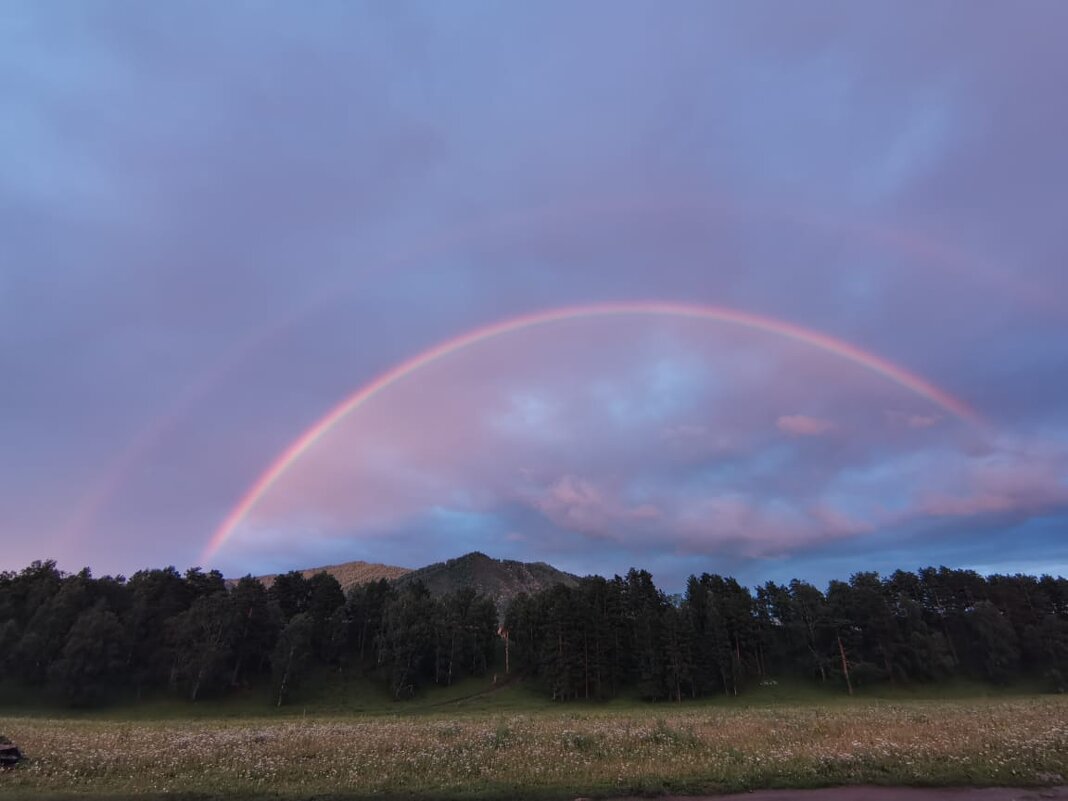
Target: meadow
[508,745]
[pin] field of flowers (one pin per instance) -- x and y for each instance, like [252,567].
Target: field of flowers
[547,754]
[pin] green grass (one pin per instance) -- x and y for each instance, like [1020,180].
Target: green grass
[332,695]
[327,694]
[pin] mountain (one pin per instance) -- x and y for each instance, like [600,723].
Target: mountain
[350,574]
[501,579]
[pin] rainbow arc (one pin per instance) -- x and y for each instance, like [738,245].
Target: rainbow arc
[845,350]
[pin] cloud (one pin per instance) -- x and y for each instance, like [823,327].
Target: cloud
[923,420]
[835,523]
[685,433]
[748,527]
[724,523]
[343,197]
[1014,484]
[708,481]
[577,505]
[913,420]
[799,425]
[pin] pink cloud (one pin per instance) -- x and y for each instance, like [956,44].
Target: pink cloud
[731,522]
[576,504]
[1023,484]
[836,523]
[644,512]
[800,425]
[745,526]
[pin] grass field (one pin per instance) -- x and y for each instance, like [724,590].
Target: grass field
[511,744]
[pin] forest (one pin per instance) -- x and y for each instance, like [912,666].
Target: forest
[93,640]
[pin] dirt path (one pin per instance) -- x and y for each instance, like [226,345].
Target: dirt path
[868,793]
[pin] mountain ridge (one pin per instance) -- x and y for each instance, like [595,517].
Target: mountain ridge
[348,574]
[500,579]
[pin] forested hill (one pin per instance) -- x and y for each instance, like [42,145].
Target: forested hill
[500,579]
[348,574]
[190,635]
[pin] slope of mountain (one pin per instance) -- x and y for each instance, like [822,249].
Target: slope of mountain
[349,574]
[501,579]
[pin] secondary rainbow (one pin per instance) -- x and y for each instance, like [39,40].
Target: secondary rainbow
[722,314]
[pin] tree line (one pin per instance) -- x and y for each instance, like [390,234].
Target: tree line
[196,635]
[607,635]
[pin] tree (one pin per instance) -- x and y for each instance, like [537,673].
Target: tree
[324,599]
[466,636]
[406,645]
[257,622]
[290,591]
[364,609]
[292,655]
[200,583]
[810,616]
[994,643]
[644,605]
[678,652]
[45,633]
[562,658]
[873,620]
[203,637]
[155,597]
[93,657]
[726,638]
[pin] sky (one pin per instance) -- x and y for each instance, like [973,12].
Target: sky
[833,234]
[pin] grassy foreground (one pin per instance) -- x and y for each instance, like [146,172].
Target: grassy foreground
[561,752]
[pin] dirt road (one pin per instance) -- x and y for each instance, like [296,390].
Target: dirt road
[868,793]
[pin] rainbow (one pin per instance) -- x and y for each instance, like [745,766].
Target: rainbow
[770,325]
[929,251]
